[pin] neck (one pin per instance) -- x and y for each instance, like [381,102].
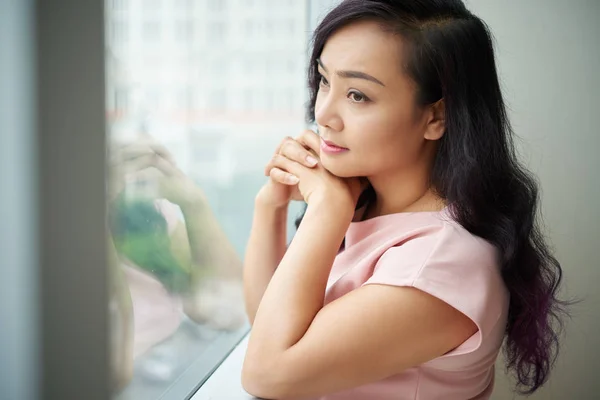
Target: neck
[404,191]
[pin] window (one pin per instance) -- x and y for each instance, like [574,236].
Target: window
[183,5]
[216,31]
[151,5]
[184,31]
[217,99]
[151,31]
[119,5]
[249,28]
[121,100]
[119,32]
[248,100]
[269,28]
[269,99]
[194,111]
[217,5]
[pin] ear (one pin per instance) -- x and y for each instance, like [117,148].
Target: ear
[436,122]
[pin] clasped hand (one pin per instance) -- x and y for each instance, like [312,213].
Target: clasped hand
[297,164]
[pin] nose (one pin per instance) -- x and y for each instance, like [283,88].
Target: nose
[327,113]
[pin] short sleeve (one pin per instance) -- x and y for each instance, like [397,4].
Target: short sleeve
[454,266]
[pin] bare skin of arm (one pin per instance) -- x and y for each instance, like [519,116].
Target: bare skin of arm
[267,243]
[265,249]
[215,297]
[121,321]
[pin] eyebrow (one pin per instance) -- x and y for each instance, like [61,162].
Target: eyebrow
[353,74]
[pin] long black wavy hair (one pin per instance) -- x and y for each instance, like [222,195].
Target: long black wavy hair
[450,56]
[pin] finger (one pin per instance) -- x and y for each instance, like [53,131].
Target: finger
[151,160]
[284,141]
[137,164]
[279,175]
[163,152]
[310,140]
[284,163]
[131,150]
[277,150]
[142,148]
[295,151]
[268,167]
[165,166]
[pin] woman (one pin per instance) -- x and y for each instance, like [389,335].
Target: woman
[418,252]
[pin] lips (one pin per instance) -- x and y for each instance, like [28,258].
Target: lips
[333,145]
[329,147]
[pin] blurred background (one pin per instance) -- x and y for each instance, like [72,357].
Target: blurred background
[121,119]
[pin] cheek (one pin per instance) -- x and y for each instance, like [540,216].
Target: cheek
[388,139]
[399,133]
[378,143]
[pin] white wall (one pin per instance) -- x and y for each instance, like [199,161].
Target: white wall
[549,57]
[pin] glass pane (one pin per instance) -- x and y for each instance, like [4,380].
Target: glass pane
[199,94]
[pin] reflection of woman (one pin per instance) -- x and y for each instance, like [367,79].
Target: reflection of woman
[418,252]
[154,276]
[164,265]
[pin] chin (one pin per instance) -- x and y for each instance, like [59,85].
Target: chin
[339,168]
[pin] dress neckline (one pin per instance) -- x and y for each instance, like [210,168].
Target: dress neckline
[402,214]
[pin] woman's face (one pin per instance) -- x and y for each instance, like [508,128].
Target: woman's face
[366,104]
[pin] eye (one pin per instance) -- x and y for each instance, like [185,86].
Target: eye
[357,97]
[323,81]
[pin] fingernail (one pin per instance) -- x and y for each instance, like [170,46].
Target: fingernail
[312,161]
[293,179]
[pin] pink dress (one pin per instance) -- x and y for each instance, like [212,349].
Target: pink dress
[157,314]
[431,252]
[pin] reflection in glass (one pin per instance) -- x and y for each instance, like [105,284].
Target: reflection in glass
[193,118]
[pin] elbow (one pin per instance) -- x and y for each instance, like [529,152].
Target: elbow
[256,385]
[264,382]
[228,319]
[221,309]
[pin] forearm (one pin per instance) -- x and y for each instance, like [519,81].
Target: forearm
[215,295]
[213,255]
[297,289]
[121,317]
[265,249]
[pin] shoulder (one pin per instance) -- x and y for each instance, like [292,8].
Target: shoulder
[439,240]
[445,260]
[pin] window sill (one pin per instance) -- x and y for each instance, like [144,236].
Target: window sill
[225,382]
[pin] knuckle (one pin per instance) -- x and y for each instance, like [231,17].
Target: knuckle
[308,133]
[276,160]
[286,140]
[288,146]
